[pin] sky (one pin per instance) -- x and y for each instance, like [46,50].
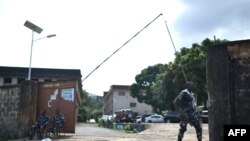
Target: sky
[88,31]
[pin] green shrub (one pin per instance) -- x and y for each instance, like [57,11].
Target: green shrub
[135,131]
[127,127]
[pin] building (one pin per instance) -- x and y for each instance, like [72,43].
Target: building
[49,89]
[15,75]
[118,97]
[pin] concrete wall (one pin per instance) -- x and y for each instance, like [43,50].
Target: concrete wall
[228,79]
[123,102]
[108,104]
[1,81]
[17,109]
[9,110]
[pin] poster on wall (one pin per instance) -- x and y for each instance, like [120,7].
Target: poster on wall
[53,97]
[68,94]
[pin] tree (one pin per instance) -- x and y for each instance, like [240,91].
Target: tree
[162,83]
[82,113]
[91,107]
[144,81]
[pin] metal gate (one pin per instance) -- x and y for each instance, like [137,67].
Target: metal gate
[62,96]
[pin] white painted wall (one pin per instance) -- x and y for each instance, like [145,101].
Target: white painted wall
[14,81]
[123,102]
[1,81]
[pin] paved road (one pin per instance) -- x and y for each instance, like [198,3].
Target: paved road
[155,132]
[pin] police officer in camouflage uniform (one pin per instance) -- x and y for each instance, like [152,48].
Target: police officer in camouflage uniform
[185,104]
[42,120]
[59,119]
[40,127]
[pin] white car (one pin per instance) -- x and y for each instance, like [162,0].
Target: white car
[155,119]
[92,121]
[138,119]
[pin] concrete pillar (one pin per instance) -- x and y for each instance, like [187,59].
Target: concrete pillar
[28,103]
[228,79]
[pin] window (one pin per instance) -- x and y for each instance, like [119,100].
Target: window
[155,116]
[47,80]
[121,93]
[142,92]
[35,80]
[132,104]
[7,80]
[20,80]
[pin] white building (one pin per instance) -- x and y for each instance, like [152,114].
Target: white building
[118,97]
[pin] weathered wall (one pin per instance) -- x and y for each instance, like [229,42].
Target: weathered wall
[18,109]
[28,104]
[218,89]
[240,86]
[228,79]
[9,110]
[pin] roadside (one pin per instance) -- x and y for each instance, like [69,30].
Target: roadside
[155,132]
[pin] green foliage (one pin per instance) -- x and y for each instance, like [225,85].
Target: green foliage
[144,81]
[106,124]
[127,127]
[91,108]
[158,85]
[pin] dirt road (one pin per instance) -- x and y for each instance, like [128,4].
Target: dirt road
[155,132]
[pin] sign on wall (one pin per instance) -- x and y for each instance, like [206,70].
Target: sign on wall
[68,94]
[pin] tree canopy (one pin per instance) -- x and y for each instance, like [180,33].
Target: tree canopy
[91,107]
[158,85]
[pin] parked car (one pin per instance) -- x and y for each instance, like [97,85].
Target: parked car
[138,119]
[124,115]
[92,121]
[171,117]
[204,116]
[144,116]
[106,118]
[155,119]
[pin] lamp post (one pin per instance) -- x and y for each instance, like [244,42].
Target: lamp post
[38,30]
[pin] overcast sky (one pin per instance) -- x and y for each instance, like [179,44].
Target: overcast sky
[89,31]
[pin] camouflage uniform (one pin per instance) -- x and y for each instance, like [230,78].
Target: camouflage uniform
[59,120]
[42,121]
[187,114]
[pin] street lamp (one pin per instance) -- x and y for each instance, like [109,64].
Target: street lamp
[38,30]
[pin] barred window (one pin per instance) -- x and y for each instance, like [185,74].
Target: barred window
[132,104]
[47,80]
[7,80]
[20,80]
[121,93]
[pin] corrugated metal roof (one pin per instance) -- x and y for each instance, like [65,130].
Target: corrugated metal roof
[39,72]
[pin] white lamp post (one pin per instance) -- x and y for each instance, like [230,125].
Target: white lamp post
[38,30]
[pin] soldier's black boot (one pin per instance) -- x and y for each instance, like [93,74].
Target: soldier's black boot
[181,133]
[199,135]
[180,137]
